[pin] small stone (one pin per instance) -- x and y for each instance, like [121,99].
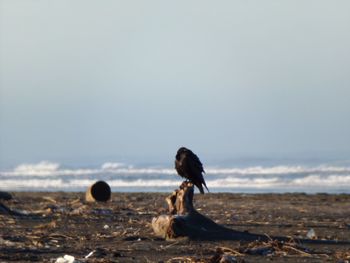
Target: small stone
[228,259]
[311,234]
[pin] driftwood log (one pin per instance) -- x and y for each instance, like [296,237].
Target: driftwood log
[5,196]
[184,221]
[4,210]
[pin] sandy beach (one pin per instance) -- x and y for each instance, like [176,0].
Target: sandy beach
[61,223]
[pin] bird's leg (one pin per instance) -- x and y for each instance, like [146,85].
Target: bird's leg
[184,184]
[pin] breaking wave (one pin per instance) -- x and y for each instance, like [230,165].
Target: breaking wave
[50,176]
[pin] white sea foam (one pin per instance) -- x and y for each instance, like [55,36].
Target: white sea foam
[46,168]
[49,176]
[112,166]
[329,183]
[42,168]
[33,184]
[58,184]
[259,170]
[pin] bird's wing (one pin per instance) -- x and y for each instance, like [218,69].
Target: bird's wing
[181,165]
[196,170]
[196,163]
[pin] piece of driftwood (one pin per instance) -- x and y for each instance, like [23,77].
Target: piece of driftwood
[4,210]
[185,221]
[5,196]
[99,191]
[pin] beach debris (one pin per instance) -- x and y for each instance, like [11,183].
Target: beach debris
[4,210]
[275,248]
[79,210]
[130,237]
[261,250]
[182,259]
[98,192]
[6,243]
[343,256]
[225,255]
[5,196]
[106,227]
[50,199]
[49,225]
[66,259]
[269,248]
[311,234]
[8,211]
[90,254]
[227,259]
[99,211]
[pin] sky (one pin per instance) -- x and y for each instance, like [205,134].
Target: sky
[93,81]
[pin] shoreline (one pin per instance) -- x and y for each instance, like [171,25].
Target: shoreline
[120,231]
[138,190]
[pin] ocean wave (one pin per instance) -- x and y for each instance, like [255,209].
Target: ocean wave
[60,184]
[49,176]
[306,184]
[259,170]
[328,181]
[46,168]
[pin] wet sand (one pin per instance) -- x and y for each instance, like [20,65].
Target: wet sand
[63,223]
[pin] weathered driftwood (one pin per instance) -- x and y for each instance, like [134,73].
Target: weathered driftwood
[185,221]
[4,210]
[99,191]
[5,196]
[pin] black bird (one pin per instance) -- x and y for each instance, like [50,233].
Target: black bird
[188,165]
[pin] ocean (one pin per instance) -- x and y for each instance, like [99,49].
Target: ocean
[273,177]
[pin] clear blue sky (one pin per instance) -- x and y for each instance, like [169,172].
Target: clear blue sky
[106,80]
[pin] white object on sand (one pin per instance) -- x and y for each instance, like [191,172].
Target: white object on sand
[311,234]
[90,254]
[66,259]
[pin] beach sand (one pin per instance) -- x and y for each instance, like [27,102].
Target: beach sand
[63,223]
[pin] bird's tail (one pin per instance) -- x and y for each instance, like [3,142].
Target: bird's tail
[206,187]
[200,187]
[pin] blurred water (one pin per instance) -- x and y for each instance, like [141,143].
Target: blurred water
[245,178]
